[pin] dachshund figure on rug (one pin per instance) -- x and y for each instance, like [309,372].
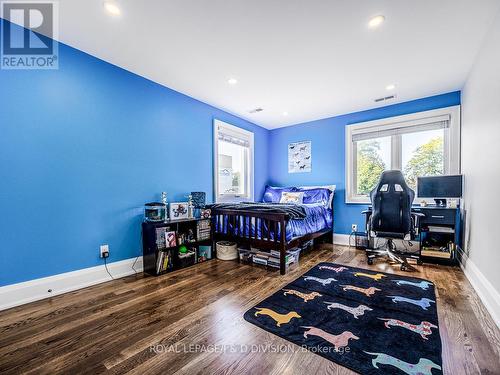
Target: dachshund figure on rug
[318,280]
[424,285]
[423,329]
[367,292]
[277,317]
[305,296]
[424,303]
[338,341]
[355,311]
[376,277]
[335,269]
[423,367]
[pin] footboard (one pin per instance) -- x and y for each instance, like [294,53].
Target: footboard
[262,230]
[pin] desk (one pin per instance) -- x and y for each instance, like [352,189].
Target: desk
[440,217]
[439,226]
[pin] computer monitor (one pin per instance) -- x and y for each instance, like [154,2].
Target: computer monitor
[440,187]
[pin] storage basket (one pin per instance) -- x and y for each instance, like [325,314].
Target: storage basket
[227,250]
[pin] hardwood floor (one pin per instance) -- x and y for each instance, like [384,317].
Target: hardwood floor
[134,324]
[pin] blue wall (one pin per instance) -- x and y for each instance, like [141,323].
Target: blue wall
[82,148]
[328,152]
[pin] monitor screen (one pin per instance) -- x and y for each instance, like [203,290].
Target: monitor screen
[439,187]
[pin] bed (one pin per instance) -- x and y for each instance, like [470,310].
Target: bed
[286,218]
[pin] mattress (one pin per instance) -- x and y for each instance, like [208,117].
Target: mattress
[318,217]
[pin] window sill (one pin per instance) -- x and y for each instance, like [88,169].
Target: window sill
[357,200]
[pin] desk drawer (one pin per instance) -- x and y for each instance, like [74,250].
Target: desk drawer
[438,216]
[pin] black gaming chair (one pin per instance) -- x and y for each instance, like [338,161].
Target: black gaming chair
[391,217]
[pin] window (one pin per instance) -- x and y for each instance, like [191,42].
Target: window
[420,144]
[233,160]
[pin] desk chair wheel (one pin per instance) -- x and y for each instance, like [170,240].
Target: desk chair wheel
[370,261]
[419,262]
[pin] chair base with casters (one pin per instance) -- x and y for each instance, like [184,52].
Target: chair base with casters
[391,218]
[390,251]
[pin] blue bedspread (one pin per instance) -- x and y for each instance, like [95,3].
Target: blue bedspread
[318,218]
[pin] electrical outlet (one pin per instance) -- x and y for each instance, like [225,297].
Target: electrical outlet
[104,251]
[354,227]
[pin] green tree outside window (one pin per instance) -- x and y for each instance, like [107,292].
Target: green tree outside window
[427,160]
[370,166]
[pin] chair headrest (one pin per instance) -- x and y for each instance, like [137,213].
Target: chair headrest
[393,177]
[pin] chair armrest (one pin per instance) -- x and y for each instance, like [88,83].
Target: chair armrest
[417,216]
[366,212]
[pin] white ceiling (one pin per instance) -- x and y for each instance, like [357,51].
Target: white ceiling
[311,58]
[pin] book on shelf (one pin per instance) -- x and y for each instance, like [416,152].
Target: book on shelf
[204,253]
[203,230]
[164,261]
[160,238]
[436,252]
[440,229]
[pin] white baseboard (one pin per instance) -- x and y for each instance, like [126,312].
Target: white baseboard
[484,289]
[34,290]
[341,239]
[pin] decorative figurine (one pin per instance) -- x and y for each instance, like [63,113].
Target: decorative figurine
[206,213]
[164,201]
[190,206]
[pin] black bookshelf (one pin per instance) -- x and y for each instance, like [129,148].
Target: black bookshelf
[153,245]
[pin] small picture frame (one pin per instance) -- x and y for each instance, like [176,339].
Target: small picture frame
[170,239]
[178,210]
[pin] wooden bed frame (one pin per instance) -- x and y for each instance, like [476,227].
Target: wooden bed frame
[270,225]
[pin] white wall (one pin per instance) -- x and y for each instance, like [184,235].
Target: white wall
[481,167]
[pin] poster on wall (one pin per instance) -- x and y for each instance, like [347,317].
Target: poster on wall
[299,157]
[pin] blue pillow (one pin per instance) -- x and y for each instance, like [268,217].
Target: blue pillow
[273,194]
[319,195]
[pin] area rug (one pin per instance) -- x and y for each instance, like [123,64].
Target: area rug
[370,322]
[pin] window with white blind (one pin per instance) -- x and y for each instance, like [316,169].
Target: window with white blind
[233,163]
[420,144]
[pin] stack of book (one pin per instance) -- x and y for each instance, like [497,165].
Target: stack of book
[307,245]
[260,259]
[272,260]
[203,229]
[294,253]
[443,253]
[275,262]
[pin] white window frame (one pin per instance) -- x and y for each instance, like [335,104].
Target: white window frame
[237,132]
[451,143]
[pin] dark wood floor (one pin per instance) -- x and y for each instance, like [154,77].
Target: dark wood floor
[112,326]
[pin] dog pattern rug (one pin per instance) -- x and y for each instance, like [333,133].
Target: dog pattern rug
[370,322]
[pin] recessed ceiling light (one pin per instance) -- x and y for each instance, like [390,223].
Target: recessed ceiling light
[376,21]
[232,81]
[112,8]
[285,113]
[390,87]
